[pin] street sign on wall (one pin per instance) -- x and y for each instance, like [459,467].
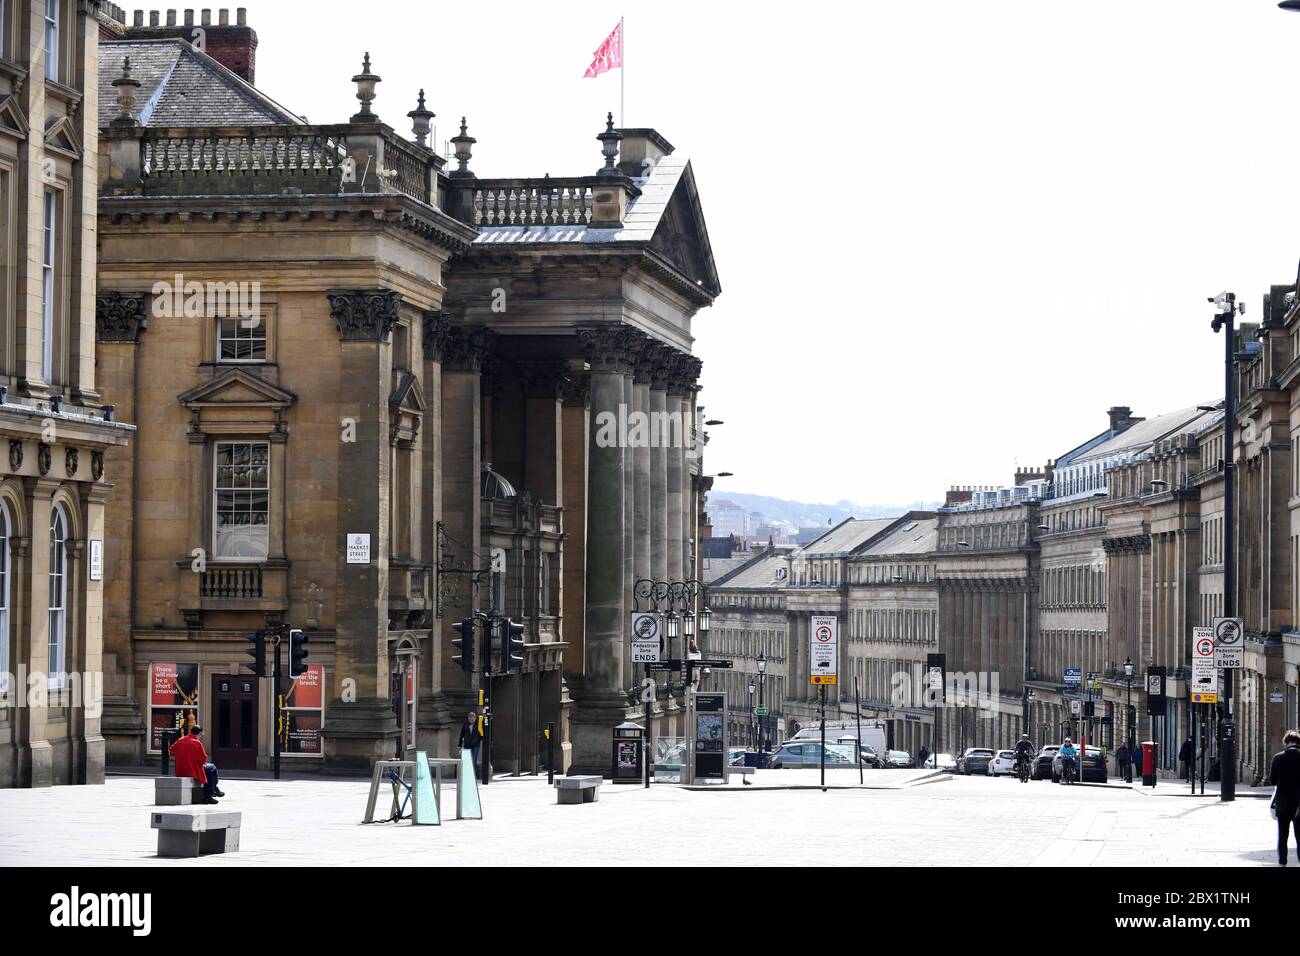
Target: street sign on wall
[823,654]
[1072,677]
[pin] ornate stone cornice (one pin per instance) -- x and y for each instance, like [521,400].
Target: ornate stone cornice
[1129,544]
[364,315]
[611,347]
[435,330]
[120,316]
[544,378]
[466,346]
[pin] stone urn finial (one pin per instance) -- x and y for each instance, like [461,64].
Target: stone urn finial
[366,83]
[464,145]
[420,118]
[609,141]
[127,86]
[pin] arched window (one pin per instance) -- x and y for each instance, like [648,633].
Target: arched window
[58,635]
[4,597]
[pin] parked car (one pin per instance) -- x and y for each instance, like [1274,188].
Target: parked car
[1094,766]
[1043,762]
[807,753]
[941,762]
[898,758]
[974,760]
[872,759]
[1003,762]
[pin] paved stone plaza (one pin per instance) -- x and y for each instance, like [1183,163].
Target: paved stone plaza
[902,818]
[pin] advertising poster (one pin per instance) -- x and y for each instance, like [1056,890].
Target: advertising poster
[173,699]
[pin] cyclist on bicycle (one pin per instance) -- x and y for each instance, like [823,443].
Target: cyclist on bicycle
[1024,750]
[1068,754]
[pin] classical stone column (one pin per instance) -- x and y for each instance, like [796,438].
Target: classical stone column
[689,454]
[576,399]
[120,319]
[464,350]
[359,721]
[603,701]
[676,479]
[640,438]
[661,373]
[435,719]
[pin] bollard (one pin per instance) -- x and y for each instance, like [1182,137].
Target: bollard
[550,753]
[167,736]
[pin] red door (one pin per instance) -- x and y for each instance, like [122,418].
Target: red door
[233,738]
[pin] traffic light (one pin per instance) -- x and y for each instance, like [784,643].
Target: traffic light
[257,652]
[514,641]
[464,642]
[297,652]
[1089,709]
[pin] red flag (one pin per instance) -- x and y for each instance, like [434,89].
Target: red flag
[609,56]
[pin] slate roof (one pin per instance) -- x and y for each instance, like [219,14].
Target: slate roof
[911,537]
[845,536]
[1144,434]
[758,574]
[180,86]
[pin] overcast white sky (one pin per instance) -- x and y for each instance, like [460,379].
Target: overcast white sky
[950,234]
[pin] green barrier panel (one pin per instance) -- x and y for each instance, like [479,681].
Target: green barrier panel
[467,788]
[426,805]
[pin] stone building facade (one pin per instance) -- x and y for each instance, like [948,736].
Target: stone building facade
[56,553]
[410,422]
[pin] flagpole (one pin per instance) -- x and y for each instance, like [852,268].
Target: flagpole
[622,70]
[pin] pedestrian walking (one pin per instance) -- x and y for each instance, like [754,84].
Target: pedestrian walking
[1285,775]
[1123,763]
[470,736]
[192,761]
[923,755]
[1135,753]
[1185,753]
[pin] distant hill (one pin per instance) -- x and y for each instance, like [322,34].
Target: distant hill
[804,514]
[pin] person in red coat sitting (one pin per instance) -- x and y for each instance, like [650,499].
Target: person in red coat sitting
[192,761]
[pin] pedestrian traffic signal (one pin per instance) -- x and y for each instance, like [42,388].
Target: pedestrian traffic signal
[464,642]
[257,652]
[297,652]
[1089,710]
[514,641]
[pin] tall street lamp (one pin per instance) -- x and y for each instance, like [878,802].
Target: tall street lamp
[1226,308]
[762,723]
[1128,717]
[753,735]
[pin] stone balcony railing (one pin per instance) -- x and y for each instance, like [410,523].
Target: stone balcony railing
[267,160]
[534,202]
[520,514]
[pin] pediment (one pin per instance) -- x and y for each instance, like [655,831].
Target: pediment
[408,395]
[681,238]
[12,119]
[237,387]
[61,136]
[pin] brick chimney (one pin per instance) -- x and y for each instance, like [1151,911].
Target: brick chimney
[233,45]
[1121,418]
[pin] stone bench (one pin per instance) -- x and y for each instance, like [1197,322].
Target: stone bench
[196,831]
[176,791]
[577,789]
[745,773]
